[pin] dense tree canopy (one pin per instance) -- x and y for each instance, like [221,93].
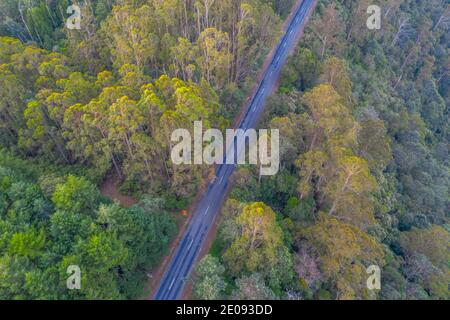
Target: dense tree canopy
[364,147]
[42,236]
[363,119]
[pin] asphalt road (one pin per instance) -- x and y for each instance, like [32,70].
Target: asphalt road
[174,279]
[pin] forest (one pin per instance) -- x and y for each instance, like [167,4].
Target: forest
[363,117]
[77,106]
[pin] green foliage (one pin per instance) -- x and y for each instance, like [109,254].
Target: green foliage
[76,195]
[40,237]
[256,244]
[302,70]
[79,104]
[107,96]
[345,251]
[363,118]
[300,210]
[209,283]
[427,255]
[29,244]
[364,129]
[252,288]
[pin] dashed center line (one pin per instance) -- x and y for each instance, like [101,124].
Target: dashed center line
[190,244]
[206,211]
[172,283]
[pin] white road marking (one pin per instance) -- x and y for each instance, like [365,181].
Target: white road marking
[271,72]
[290,32]
[190,244]
[284,45]
[172,283]
[221,179]
[263,90]
[206,211]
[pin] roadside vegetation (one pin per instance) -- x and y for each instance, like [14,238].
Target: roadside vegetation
[363,118]
[78,106]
